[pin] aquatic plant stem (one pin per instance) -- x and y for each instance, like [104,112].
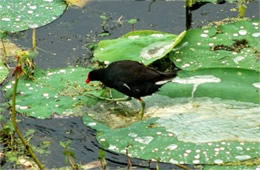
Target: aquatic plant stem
[26,145]
[34,43]
[129,163]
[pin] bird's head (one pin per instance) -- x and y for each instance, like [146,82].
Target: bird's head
[95,75]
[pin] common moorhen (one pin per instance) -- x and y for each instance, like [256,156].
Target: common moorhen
[132,79]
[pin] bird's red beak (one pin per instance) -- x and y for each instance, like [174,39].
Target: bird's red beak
[88,80]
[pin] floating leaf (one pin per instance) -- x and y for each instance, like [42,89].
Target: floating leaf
[228,83]
[78,3]
[60,92]
[234,45]
[16,15]
[143,46]
[186,131]
[208,116]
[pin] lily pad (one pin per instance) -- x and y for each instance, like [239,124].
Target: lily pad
[144,46]
[186,131]
[233,45]
[16,15]
[225,83]
[209,116]
[60,92]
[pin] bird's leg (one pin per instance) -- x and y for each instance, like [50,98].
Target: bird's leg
[108,99]
[141,113]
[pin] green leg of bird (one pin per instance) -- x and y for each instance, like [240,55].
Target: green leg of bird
[108,99]
[141,113]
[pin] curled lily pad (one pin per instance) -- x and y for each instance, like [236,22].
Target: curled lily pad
[60,92]
[3,71]
[7,50]
[233,45]
[16,15]
[144,46]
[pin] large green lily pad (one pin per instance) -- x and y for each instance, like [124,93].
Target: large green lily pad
[225,83]
[145,46]
[185,131]
[16,15]
[234,45]
[59,92]
[209,116]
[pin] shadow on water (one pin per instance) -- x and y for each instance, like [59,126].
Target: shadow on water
[65,43]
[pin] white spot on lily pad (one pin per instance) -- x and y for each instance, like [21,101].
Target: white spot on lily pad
[23,107]
[158,133]
[204,35]
[144,140]
[218,161]
[33,7]
[185,65]
[132,135]
[30,12]
[107,62]
[242,32]
[256,35]
[257,85]
[243,157]
[92,124]
[8,86]
[134,37]
[62,71]
[102,139]
[235,34]
[45,94]
[171,147]
[211,44]
[173,161]
[206,31]
[33,25]
[48,0]
[238,59]
[6,19]
[188,151]
[112,147]
[196,161]
[239,148]
[157,35]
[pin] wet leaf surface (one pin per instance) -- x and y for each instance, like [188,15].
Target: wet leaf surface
[145,46]
[233,45]
[56,92]
[184,131]
[21,15]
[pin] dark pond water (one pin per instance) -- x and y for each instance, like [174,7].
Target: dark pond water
[64,42]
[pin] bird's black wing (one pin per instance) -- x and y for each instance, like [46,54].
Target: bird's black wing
[132,73]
